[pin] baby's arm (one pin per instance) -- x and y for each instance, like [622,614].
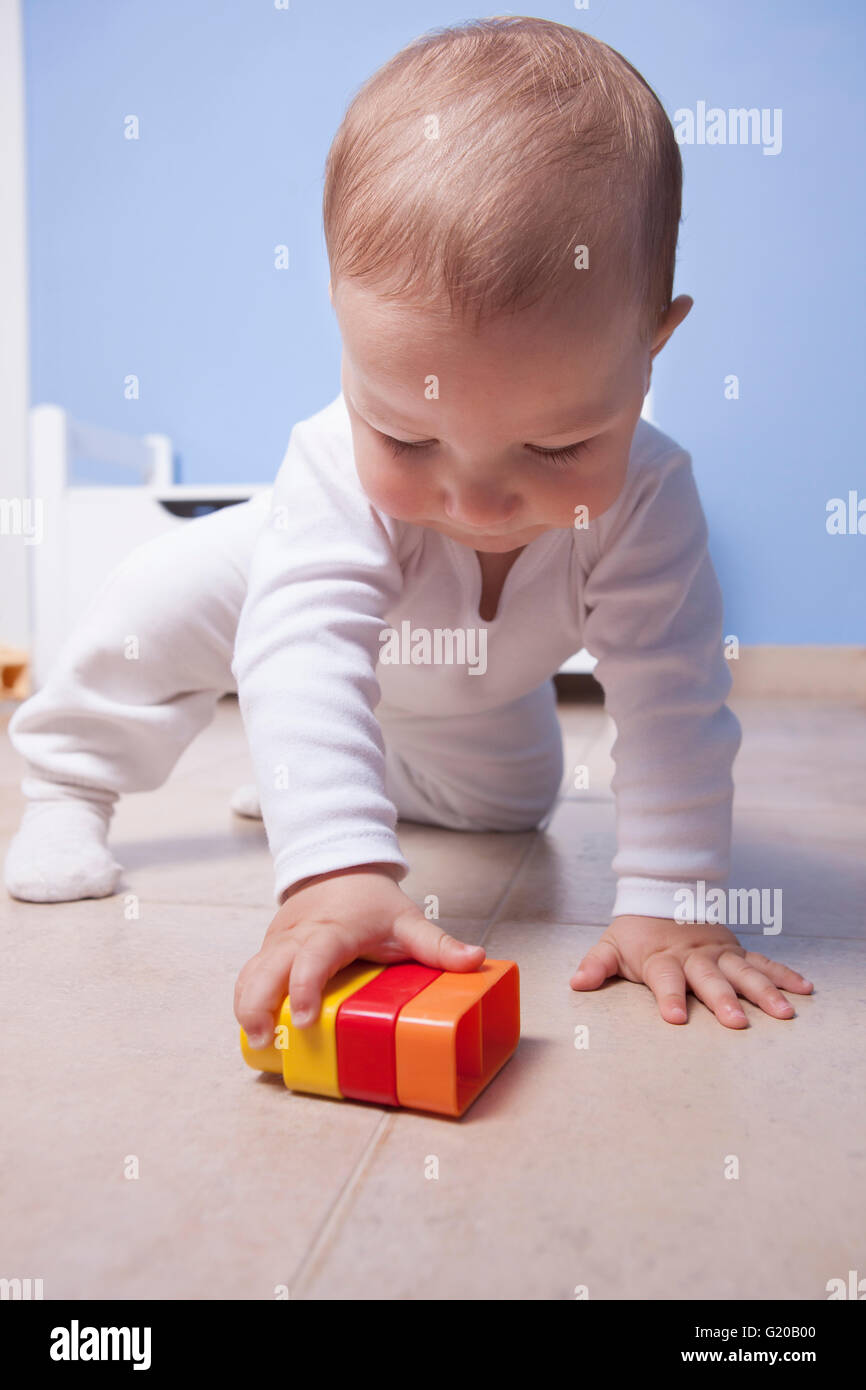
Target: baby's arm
[323,575]
[653,618]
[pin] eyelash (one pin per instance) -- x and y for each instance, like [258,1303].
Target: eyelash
[559,458]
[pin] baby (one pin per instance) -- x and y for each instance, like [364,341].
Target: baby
[481,500]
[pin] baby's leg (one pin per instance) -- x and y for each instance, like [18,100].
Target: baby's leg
[496,770]
[136,679]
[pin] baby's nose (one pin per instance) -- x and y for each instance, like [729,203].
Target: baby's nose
[480,507]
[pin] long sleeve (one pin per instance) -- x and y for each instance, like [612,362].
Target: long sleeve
[653,620]
[324,572]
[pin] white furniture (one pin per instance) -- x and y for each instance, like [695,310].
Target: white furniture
[88,529]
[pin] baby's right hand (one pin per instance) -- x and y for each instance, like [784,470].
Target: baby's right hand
[325,923]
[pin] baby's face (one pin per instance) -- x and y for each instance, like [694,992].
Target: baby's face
[504,434]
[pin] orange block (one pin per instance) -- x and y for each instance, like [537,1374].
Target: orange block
[454,1036]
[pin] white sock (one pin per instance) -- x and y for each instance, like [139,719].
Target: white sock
[245,802]
[59,853]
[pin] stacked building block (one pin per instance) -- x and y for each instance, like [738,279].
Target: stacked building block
[405,1035]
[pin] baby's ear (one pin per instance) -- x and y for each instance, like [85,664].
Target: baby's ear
[678,310]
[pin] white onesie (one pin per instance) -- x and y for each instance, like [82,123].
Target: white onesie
[348,611]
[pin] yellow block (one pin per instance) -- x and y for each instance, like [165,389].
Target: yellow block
[307,1057]
[310,1057]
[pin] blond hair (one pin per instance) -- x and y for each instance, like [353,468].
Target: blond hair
[474,162]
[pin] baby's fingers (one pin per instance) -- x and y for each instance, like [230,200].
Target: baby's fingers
[664,975]
[303,959]
[430,945]
[597,965]
[707,981]
[781,975]
[316,960]
[753,983]
[261,989]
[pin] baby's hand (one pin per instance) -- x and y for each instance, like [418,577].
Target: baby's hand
[669,955]
[325,923]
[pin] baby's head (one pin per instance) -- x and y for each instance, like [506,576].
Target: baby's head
[467,175]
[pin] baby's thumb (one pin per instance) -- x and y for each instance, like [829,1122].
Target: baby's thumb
[428,943]
[597,965]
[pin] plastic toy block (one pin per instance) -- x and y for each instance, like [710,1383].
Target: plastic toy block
[403,1035]
[307,1057]
[455,1035]
[366,1026]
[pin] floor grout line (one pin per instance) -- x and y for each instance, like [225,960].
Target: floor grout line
[491,921]
[340,1209]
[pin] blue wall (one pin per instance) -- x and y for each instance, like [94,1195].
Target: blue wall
[156,256]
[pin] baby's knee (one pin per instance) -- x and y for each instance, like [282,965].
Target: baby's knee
[535,785]
[483,798]
[526,810]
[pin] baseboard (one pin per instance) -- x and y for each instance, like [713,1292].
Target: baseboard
[808,672]
[812,673]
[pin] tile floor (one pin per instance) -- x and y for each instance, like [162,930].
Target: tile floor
[602,1167]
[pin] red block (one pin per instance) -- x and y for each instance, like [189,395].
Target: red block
[365,1030]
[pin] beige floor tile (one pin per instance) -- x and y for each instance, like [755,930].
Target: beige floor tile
[810,863]
[601,1166]
[183,844]
[588,773]
[123,1043]
[800,754]
[566,876]
[120,1042]
[605,1166]
[469,873]
[584,725]
[815,859]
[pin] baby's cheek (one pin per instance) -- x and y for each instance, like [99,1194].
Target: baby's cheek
[586,497]
[396,494]
[573,498]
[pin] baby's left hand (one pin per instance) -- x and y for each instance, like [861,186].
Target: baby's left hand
[668,956]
